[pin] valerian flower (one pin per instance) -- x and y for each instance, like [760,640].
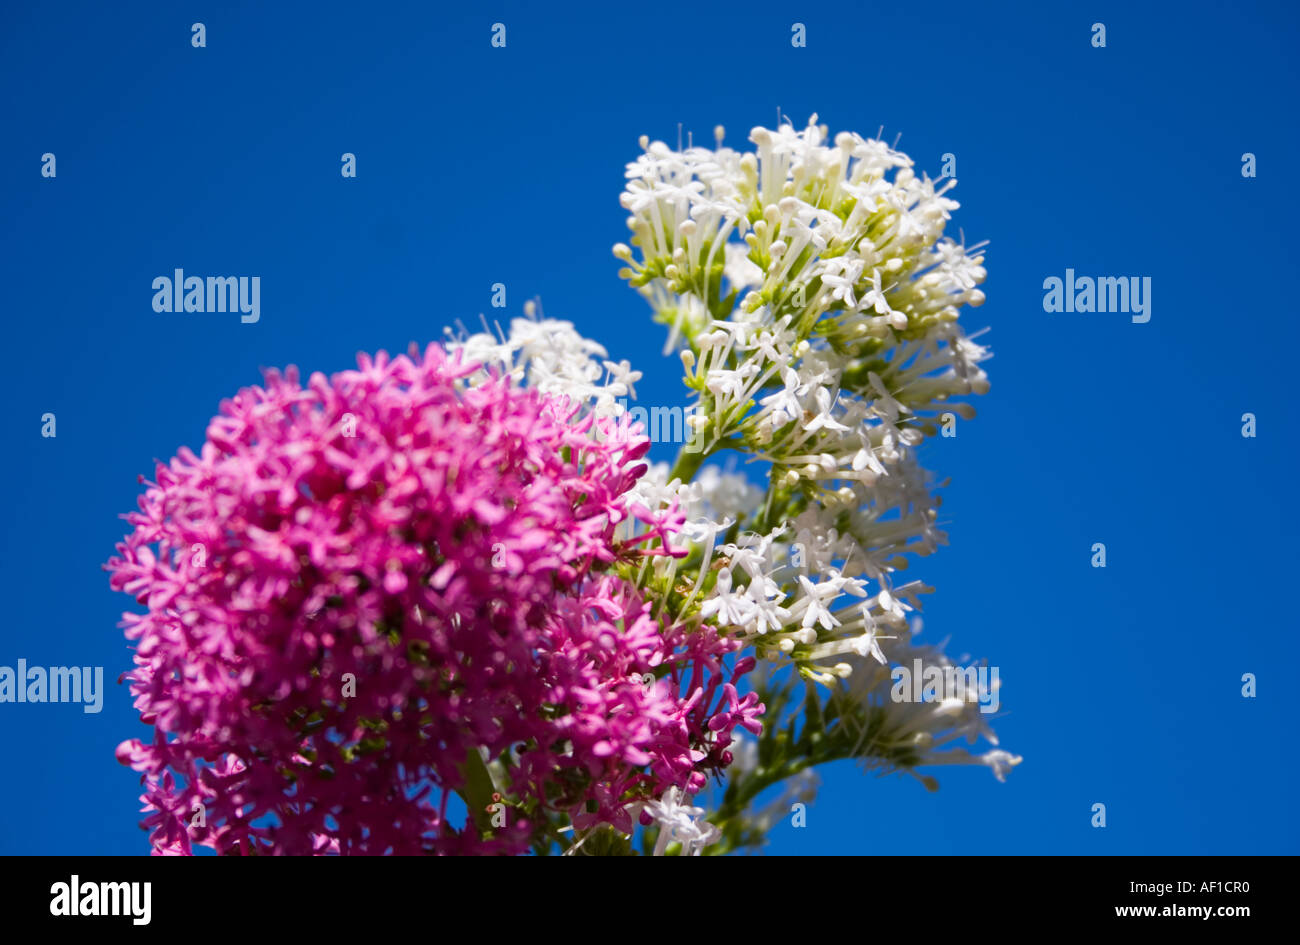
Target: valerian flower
[815,298]
[392,585]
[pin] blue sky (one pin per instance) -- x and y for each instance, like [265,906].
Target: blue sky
[478,165]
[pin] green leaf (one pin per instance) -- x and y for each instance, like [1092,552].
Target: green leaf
[478,789]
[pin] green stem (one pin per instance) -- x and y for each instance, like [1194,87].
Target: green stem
[687,465]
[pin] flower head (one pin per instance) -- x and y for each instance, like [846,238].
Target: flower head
[357,585]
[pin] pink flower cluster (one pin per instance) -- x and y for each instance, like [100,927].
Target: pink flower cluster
[615,680]
[356,584]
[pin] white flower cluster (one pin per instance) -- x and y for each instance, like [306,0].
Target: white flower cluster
[922,732]
[682,823]
[802,229]
[815,300]
[845,340]
[550,356]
